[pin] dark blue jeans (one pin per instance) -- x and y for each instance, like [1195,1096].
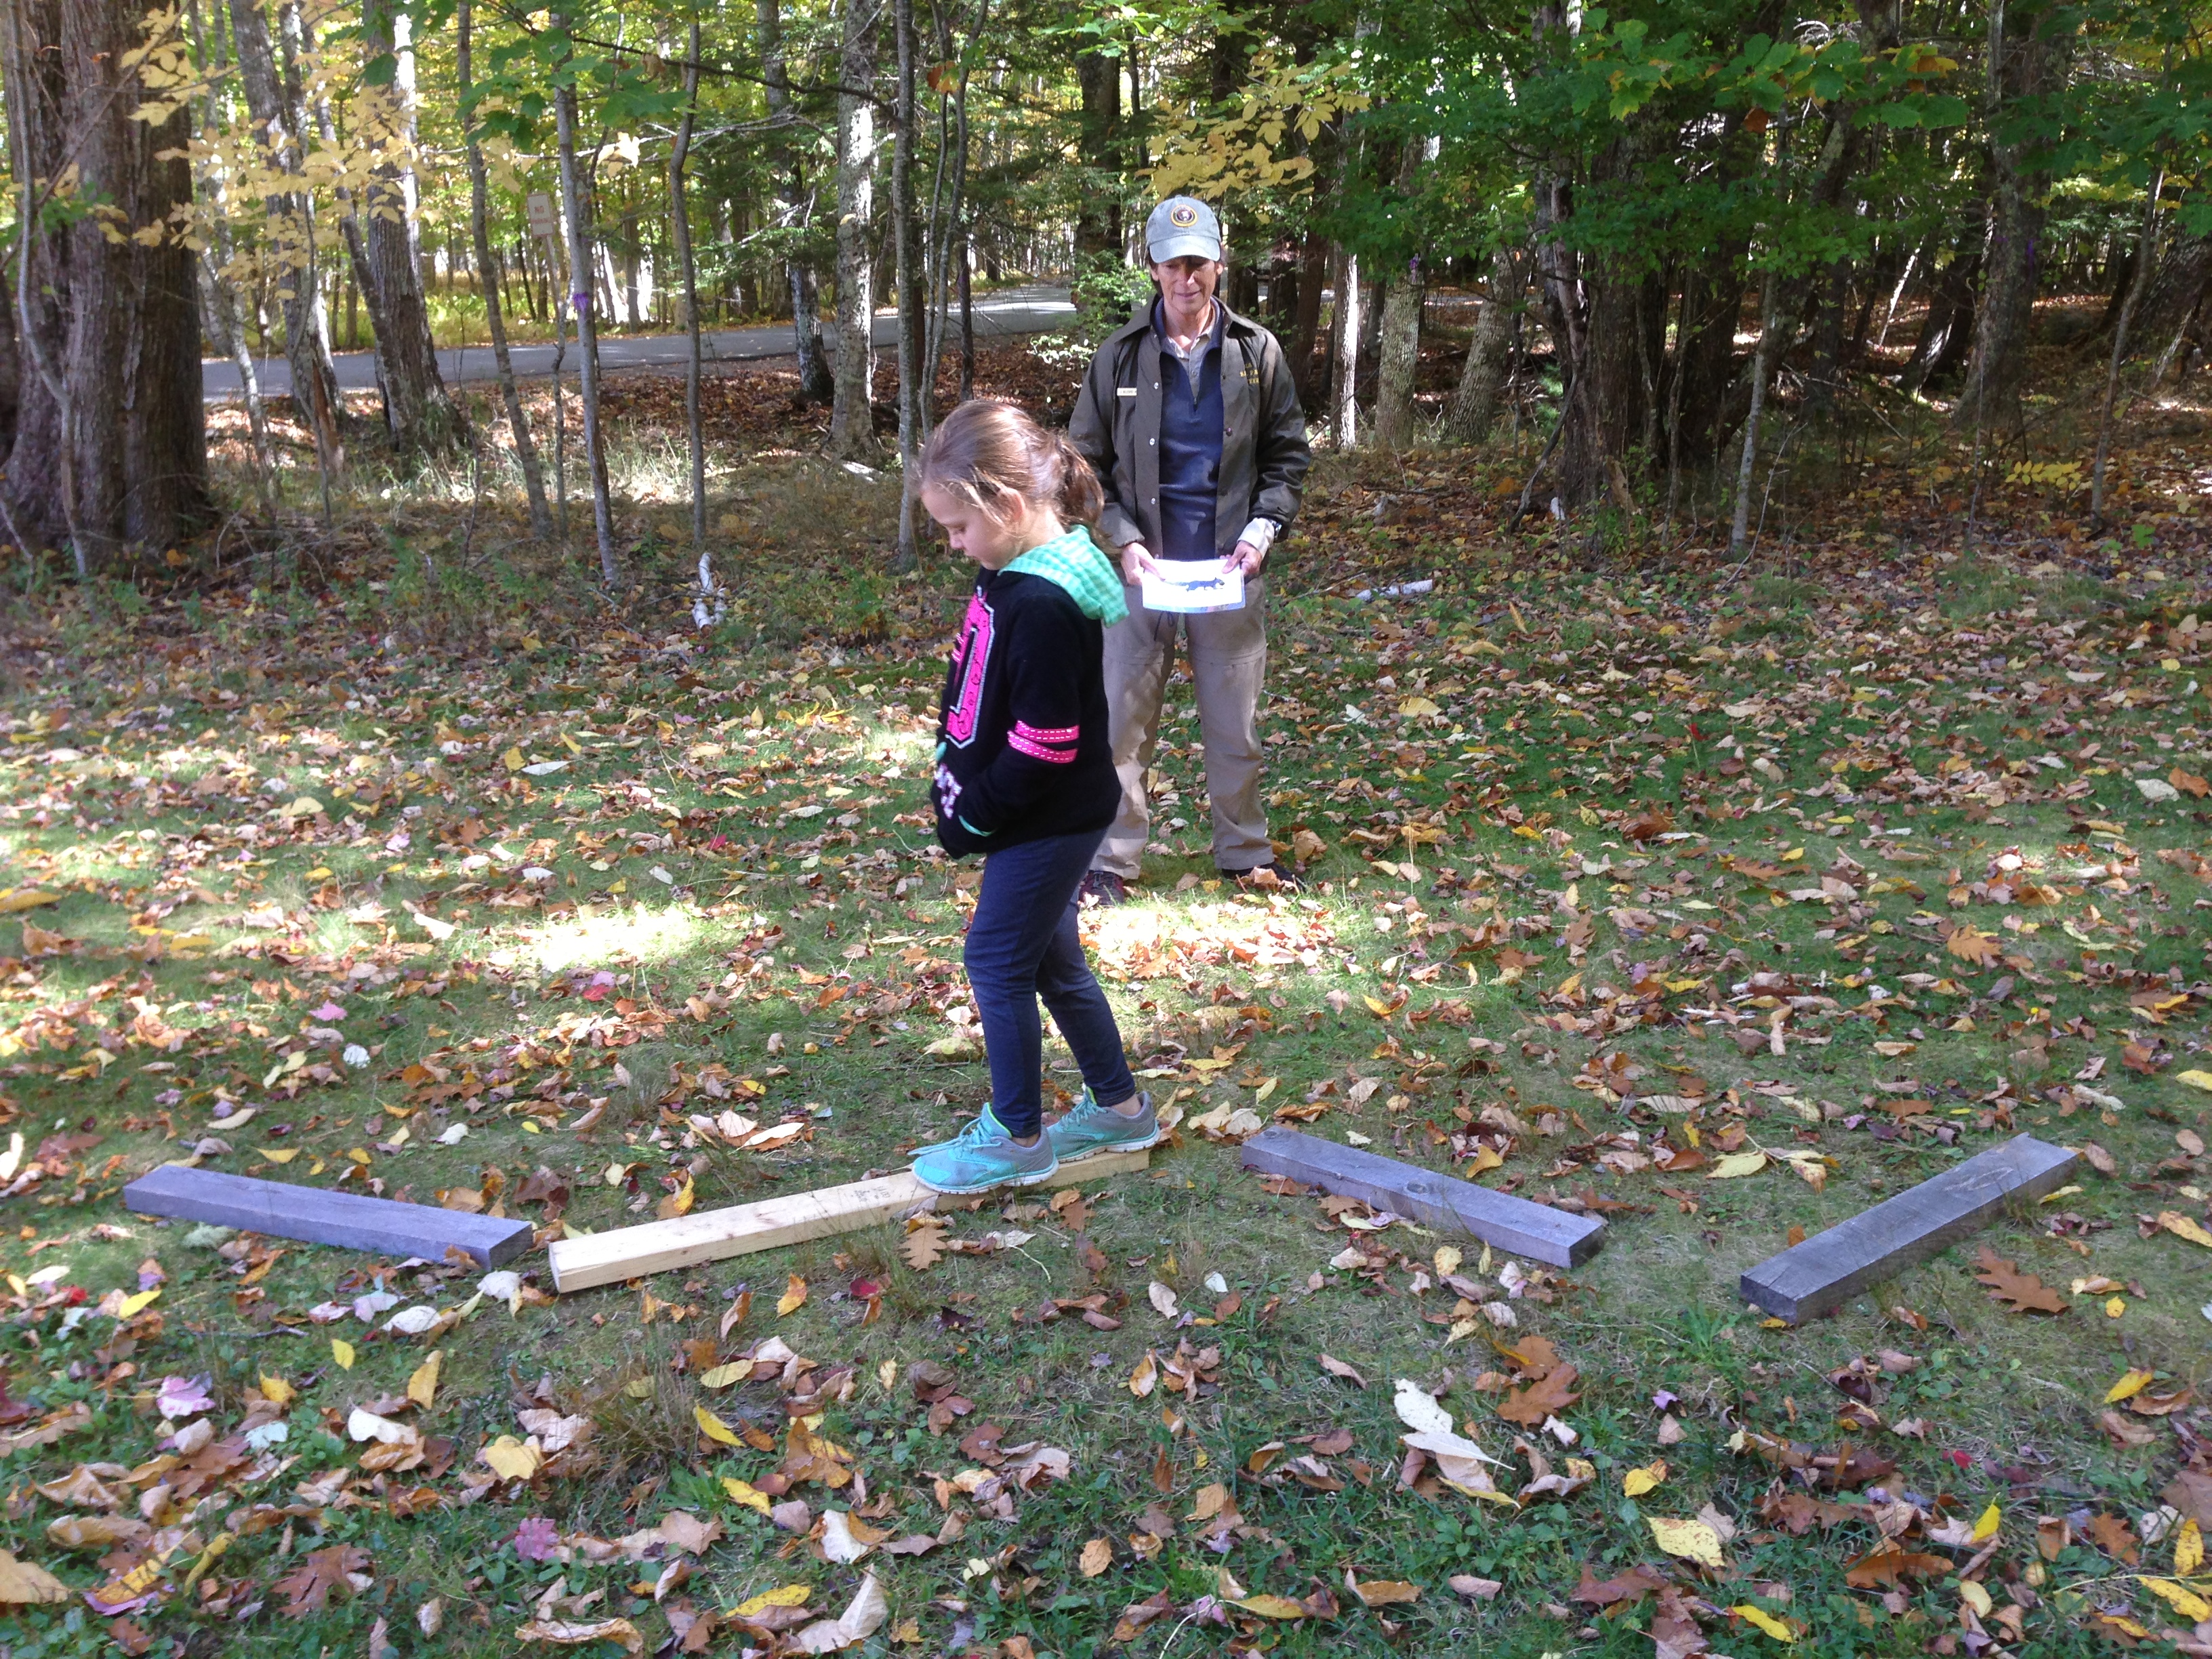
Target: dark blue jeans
[1022,946]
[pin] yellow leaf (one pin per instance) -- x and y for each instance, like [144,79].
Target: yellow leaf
[12,899]
[1272,1607]
[1692,1541]
[1986,1527]
[26,1584]
[1447,1258]
[423,1386]
[2115,1307]
[2184,1601]
[1485,1158]
[1381,1010]
[793,1296]
[1736,1164]
[513,760]
[2182,1227]
[1636,1482]
[1385,1592]
[790,1596]
[277,1392]
[510,1458]
[1765,1621]
[1146,1377]
[2131,1384]
[714,1428]
[745,1492]
[342,1351]
[1098,1556]
[722,1375]
[1975,1596]
[2194,1079]
[1417,706]
[275,1156]
[680,1203]
[2188,1548]
[133,1306]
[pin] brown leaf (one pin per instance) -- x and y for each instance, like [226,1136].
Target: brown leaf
[2113,1535]
[307,1588]
[1548,1396]
[1887,1562]
[1338,1368]
[2099,1160]
[1633,1585]
[923,1246]
[2007,1283]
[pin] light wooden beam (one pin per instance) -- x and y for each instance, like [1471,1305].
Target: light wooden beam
[769,1223]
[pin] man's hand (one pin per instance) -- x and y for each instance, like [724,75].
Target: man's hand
[1135,562]
[1249,557]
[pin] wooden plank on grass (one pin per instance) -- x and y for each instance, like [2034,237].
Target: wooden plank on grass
[322,1216]
[767,1224]
[1830,1267]
[1512,1224]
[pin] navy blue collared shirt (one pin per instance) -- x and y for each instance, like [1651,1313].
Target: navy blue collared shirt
[1190,443]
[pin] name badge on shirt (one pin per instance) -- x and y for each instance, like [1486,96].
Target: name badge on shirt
[1125,392]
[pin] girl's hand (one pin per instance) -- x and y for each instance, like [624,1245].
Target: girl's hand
[1135,562]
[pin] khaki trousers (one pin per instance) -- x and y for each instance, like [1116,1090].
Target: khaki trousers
[1228,652]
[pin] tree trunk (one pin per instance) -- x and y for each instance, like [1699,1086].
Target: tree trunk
[1947,332]
[816,383]
[1098,142]
[587,336]
[1399,351]
[292,240]
[2024,62]
[852,420]
[1343,331]
[1305,327]
[1482,377]
[424,419]
[2146,255]
[680,219]
[107,446]
[525,452]
[1762,364]
[907,280]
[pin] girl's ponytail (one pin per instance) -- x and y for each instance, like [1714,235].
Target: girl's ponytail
[1081,500]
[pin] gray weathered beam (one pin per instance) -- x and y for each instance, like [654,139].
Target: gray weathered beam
[1830,1267]
[321,1216]
[1512,1224]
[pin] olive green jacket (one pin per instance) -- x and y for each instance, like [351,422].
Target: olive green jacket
[1264,453]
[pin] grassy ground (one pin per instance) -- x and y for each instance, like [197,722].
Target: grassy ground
[454,890]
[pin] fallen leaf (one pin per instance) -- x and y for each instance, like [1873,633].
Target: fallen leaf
[1163,1300]
[1766,1621]
[1736,1165]
[2024,1292]
[2184,1601]
[511,1459]
[2182,1226]
[1337,1368]
[714,1428]
[308,1587]
[1636,1482]
[862,1618]
[1383,1592]
[26,1584]
[1098,1556]
[1274,1607]
[568,1634]
[923,1246]
[1690,1541]
[793,1296]
[422,1385]
[2131,1384]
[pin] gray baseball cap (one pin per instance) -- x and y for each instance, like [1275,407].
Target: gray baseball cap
[1181,228]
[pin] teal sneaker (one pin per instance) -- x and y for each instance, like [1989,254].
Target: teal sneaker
[983,1156]
[1086,1128]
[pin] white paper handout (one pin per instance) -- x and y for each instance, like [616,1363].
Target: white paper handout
[1194,585]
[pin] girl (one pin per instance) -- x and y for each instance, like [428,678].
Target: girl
[1024,776]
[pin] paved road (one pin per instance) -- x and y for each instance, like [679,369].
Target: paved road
[1031,309]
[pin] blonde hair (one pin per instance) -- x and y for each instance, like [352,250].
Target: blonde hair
[993,456]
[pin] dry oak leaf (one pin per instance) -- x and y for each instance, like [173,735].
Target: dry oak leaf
[570,1634]
[307,1588]
[2113,1535]
[923,1246]
[1971,944]
[2007,1283]
[26,1584]
[1633,1585]
[1884,1564]
[1548,1396]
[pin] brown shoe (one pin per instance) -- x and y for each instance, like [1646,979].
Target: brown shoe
[1102,888]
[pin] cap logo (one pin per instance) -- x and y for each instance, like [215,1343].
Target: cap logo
[1182,216]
